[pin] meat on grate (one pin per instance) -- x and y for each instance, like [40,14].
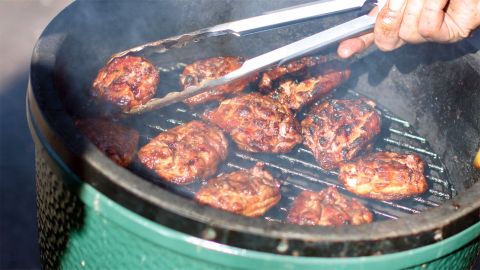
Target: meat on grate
[126,82]
[257,123]
[385,176]
[297,67]
[327,208]
[300,91]
[213,68]
[247,192]
[118,142]
[186,152]
[339,130]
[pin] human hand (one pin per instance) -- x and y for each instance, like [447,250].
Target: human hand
[417,21]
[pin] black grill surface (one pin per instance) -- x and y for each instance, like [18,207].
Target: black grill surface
[298,170]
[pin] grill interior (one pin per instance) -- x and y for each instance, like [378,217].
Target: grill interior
[298,169]
[431,86]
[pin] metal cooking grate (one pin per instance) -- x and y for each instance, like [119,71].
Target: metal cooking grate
[298,170]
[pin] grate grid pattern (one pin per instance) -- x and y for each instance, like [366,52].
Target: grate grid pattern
[298,169]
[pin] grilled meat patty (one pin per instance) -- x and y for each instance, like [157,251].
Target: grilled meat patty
[327,208]
[295,93]
[338,130]
[296,67]
[257,123]
[385,176]
[213,68]
[118,142]
[126,82]
[185,153]
[246,192]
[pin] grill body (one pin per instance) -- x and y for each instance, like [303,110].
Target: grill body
[80,227]
[95,214]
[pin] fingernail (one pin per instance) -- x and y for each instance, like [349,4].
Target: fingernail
[396,5]
[345,53]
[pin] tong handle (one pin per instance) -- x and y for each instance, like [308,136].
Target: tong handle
[250,25]
[279,56]
[176,96]
[304,46]
[286,16]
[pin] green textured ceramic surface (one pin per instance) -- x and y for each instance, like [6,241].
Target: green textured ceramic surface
[113,237]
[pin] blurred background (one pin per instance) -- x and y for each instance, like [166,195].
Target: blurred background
[21,23]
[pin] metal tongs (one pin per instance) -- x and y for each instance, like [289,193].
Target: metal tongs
[251,25]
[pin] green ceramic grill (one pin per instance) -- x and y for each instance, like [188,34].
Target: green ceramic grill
[95,214]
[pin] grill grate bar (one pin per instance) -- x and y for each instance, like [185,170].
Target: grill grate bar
[178,66]
[404,145]
[421,200]
[273,219]
[182,110]
[394,119]
[288,171]
[308,164]
[175,121]
[439,193]
[157,127]
[437,180]
[406,134]
[389,216]
[399,206]
[437,168]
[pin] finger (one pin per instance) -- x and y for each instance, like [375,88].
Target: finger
[431,25]
[387,26]
[411,18]
[352,46]
[356,45]
[461,18]
[472,7]
[465,13]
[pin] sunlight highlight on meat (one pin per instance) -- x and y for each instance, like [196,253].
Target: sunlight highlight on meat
[385,176]
[246,192]
[185,153]
[214,68]
[126,82]
[339,130]
[257,123]
[327,208]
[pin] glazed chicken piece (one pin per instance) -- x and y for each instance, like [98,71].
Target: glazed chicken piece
[327,208]
[385,176]
[126,82]
[257,123]
[296,67]
[118,142]
[185,153]
[247,192]
[213,68]
[296,93]
[338,130]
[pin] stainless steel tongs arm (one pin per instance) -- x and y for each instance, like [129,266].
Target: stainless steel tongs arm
[304,46]
[286,16]
[252,25]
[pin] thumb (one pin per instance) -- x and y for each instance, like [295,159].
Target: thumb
[387,27]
